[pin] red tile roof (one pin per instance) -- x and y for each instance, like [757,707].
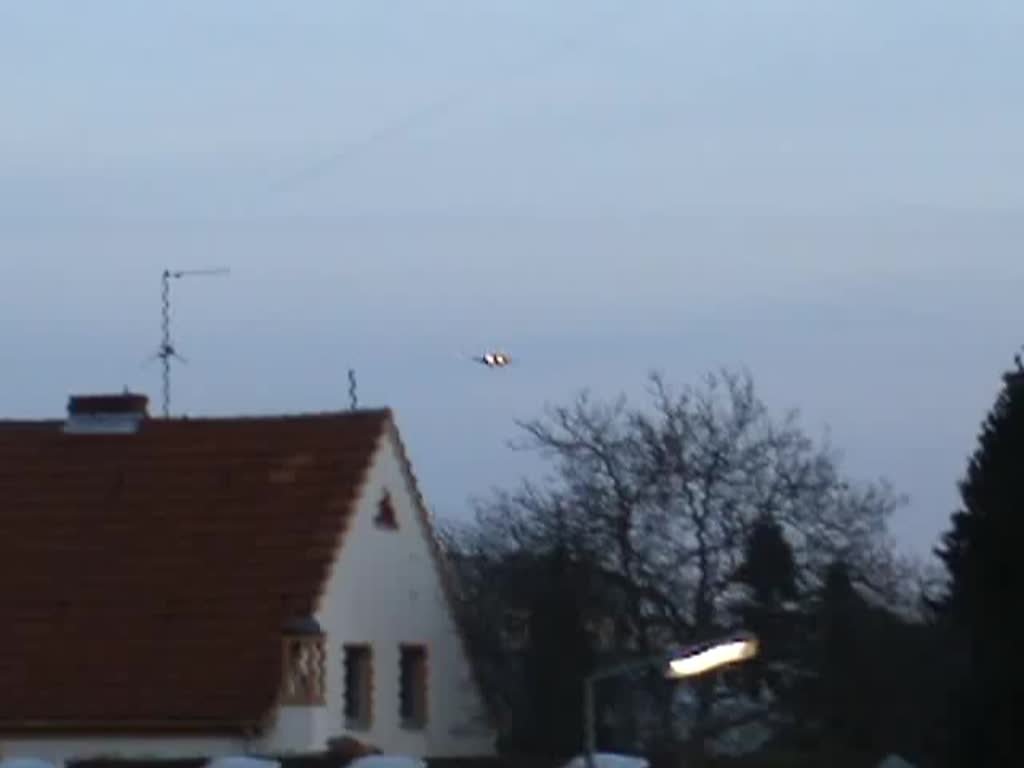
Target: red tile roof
[145,579]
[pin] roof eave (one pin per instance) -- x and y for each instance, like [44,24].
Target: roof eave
[176,727]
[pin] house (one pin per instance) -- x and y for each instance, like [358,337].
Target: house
[204,587]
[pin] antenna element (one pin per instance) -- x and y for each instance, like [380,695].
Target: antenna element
[353,400]
[167,351]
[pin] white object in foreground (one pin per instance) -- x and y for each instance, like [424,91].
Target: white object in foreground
[242,762]
[712,658]
[895,761]
[609,760]
[25,762]
[387,761]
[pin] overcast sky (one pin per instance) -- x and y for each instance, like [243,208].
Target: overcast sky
[827,192]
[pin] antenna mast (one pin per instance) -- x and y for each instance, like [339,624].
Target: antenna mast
[352,397]
[167,350]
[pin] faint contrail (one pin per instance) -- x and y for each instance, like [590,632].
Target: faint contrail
[327,164]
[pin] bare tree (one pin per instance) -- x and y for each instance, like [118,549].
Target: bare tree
[661,500]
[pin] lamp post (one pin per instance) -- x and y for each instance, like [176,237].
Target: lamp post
[691,661]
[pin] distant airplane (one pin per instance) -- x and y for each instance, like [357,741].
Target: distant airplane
[493,359]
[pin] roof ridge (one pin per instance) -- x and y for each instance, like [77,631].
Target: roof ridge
[384,412]
[298,415]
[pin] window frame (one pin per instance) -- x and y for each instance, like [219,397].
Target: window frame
[360,721]
[418,720]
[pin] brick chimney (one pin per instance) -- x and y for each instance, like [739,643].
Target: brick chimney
[106,414]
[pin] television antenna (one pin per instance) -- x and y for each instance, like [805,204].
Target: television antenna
[167,350]
[352,395]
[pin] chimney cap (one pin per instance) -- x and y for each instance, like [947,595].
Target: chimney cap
[304,626]
[124,403]
[106,414]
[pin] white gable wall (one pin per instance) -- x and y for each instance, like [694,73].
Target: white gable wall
[385,590]
[294,729]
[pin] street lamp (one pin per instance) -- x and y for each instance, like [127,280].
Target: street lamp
[691,661]
[709,657]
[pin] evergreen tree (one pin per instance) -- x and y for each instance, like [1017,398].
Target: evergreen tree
[769,572]
[979,552]
[558,659]
[842,619]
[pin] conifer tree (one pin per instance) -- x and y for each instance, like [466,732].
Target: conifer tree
[981,554]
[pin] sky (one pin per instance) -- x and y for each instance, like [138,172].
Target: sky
[826,193]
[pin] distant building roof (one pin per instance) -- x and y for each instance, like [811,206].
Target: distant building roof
[147,578]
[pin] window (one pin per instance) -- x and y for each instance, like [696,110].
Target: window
[386,517]
[304,679]
[413,686]
[358,686]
